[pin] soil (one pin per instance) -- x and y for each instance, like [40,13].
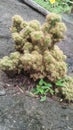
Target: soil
[19,110]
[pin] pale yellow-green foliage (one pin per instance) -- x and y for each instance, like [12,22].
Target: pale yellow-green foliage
[25,33]
[27,47]
[67,90]
[37,53]
[54,64]
[34,24]
[17,23]
[55,27]
[11,65]
[53,18]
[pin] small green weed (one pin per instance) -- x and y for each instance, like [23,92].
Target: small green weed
[60,83]
[42,89]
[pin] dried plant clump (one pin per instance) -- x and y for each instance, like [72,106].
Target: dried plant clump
[11,65]
[67,90]
[54,64]
[55,27]
[36,50]
[17,22]
[34,24]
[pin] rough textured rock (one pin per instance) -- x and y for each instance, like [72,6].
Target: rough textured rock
[26,113]
[21,112]
[2,91]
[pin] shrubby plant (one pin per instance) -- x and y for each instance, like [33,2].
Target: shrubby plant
[36,51]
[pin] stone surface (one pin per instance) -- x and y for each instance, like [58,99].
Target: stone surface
[17,110]
[21,112]
[2,91]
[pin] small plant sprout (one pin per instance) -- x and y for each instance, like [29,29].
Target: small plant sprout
[42,89]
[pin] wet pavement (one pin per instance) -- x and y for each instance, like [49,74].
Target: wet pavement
[18,110]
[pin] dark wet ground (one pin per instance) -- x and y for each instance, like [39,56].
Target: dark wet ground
[21,112]
[18,110]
